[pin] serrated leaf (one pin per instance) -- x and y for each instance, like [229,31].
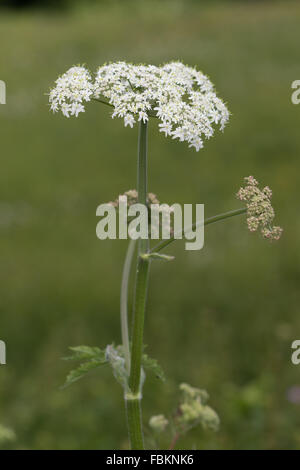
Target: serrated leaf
[93,357]
[82,370]
[85,352]
[153,366]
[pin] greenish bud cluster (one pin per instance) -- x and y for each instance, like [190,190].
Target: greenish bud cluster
[158,423]
[260,213]
[193,409]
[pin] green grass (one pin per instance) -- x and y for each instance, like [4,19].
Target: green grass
[222,318]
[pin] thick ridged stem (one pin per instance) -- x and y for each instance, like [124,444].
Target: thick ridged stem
[124,302]
[133,400]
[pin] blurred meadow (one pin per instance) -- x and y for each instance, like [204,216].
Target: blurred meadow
[222,318]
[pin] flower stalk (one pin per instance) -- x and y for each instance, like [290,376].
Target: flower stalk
[133,405]
[210,220]
[124,302]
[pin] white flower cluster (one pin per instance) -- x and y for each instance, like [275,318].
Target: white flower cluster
[181,97]
[72,89]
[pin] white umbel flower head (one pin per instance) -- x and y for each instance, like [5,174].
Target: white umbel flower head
[182,98]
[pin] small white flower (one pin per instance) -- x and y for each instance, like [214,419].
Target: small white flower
[166,128]
[129,120]
[76,109]
[197,143]
[143,116]
[65,108]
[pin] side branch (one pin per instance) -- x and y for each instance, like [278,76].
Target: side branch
[208,221]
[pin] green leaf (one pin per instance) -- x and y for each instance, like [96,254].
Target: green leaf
[81,371]
[85,352]
[93,357]
[153,366]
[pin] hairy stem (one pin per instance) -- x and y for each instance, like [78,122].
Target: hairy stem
[124,302]
[138,325]
[134,423]
[134,416]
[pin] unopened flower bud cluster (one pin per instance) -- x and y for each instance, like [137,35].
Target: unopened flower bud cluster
[182,98]
[260,213]
[131,197]
[193,410]
[158,423]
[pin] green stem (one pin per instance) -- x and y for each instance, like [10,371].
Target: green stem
[133,402]
[208,221]
[134,423]
[124,302]
[103,102]
[138,325]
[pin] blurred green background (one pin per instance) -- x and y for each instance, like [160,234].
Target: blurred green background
[222,318]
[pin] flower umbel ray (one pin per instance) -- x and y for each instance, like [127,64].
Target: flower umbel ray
[181,97]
